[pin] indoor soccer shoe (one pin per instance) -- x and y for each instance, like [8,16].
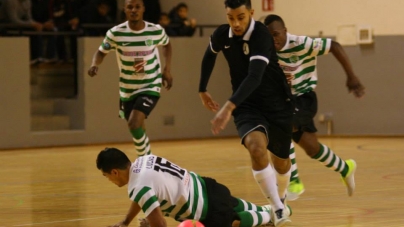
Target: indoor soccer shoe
[349,179]
[295,189]
[287,212]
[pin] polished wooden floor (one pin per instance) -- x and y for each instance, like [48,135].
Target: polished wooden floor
[62,187]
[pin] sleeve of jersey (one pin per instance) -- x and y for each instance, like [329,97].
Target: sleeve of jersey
[164,39]
[209,60]
[108,43]
[318,46]
[146,199]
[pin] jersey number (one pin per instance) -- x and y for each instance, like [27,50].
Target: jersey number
[168,167]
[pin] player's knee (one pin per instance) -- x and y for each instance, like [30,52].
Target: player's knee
[257,150]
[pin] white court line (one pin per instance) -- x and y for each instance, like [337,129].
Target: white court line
[71,220]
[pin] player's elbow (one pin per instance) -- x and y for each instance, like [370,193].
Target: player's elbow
[335,46]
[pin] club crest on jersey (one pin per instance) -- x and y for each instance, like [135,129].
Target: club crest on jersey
[246,49]
[149,42]
[107,46]
[293,59]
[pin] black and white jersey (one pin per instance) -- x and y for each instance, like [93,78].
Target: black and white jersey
[256,44]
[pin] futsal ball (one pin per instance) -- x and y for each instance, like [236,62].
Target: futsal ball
[190,223]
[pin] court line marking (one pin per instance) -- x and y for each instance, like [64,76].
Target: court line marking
[71,220]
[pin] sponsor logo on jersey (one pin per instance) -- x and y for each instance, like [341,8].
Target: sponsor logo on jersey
[246,49]
[286,68]
[149,42]
[150,161]
[137,53]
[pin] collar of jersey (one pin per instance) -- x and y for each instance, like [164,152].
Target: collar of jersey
[287,41]
[247,35]
[138,32]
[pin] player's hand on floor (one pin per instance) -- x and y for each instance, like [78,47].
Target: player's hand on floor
[92,71]
[355,87]
[208,102]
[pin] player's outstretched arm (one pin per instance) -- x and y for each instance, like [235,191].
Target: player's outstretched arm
[167,77]
[97,60]
[353,83]
[156,218]
[133,211]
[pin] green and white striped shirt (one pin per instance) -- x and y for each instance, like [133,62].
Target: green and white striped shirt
[299,58]
[156,182]
[138,58]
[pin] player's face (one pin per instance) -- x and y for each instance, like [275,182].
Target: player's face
[239,19]
[278,31]
[114,177]
[134,10]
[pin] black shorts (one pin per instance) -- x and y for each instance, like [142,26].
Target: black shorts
[306,110]
[220,205]
[276,126]
[143,103]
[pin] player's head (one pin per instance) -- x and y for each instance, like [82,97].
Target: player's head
[239,15]
[134,10]
[114,165]
[182,10]
[277,28]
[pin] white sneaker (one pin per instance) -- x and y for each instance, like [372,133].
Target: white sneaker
[281,218]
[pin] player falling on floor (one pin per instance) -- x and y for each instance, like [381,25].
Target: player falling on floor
[161,188]
[297,57]
[140,78]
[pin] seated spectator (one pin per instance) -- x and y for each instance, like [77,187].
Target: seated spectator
[97,13]
[164,21]
[180,22]
[18,12]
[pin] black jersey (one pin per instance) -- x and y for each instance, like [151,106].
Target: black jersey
[257,43]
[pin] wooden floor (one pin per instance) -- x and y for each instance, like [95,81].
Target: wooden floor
[62,187]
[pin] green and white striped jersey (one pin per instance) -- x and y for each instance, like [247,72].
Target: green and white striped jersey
[156,182]
[138,58]
[299,58]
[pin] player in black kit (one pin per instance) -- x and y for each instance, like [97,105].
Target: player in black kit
[261,103]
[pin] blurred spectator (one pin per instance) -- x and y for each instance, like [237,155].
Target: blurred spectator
[180,22]
[64,14]
[98,13]
[40,13]
[164,21]
[19,13]
[152,11]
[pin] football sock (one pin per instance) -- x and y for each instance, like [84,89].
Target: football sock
[253,218]
[266,180]
[141,141]
[245,205]
[331,160]
[294,176]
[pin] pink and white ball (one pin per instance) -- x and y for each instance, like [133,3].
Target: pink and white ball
[190,223]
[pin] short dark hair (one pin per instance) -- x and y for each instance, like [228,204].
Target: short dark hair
[181,5]
[271,18]
[112,158]
[234,4]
